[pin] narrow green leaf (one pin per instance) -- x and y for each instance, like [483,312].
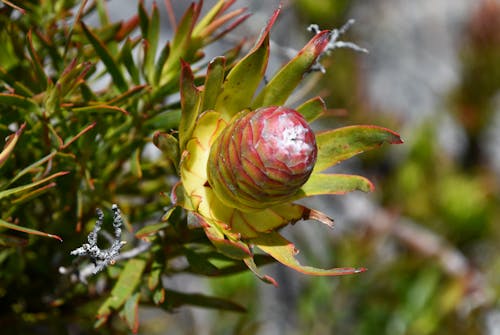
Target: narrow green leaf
[106,58]
[168,120]
[37,65]
[128,60]
[18,86]
[99,109]
[213,82]
[320,183]
[22,188]
[72,76]
[152,37]
[312,109]
[130,312]
[14,100]
[8,225]
[71,140]
[284,252]
[10,144]
[183,33]
[135,164]
[87,93]
[244,78]
[144,20]
[174,299]
[340,144]
[209,17]
[180,44]
[277,91]
[32,167]
[33,194]
[190,102]
[131,93]
[126,285]
[160,63]
[49,46]
[102,13]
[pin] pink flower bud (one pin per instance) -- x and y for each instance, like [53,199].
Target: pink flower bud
[262,158]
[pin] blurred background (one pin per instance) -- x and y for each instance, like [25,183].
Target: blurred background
[429,235]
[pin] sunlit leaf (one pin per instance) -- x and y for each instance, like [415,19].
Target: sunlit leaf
[340,144]
[284,252]
[213,82]
[190,101]
[244,78]
[320,183]
[277,91]
[180,43]
[312,109]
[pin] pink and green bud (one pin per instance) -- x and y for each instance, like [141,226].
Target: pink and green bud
[262,158]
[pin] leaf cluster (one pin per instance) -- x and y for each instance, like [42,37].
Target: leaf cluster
[79,108]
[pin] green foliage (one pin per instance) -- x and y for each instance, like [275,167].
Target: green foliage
[79,111]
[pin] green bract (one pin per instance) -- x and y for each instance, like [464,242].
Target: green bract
[234,183]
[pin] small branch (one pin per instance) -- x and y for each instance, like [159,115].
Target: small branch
[102,257]
[334,43]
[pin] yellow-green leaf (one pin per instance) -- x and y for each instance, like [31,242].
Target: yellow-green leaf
[312,109]
[284,252]
[244,78]
[320,183]
[277,91]
[340,144]
[213,82]
[190,102]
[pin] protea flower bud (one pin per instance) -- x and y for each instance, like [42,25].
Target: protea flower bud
[262,158]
